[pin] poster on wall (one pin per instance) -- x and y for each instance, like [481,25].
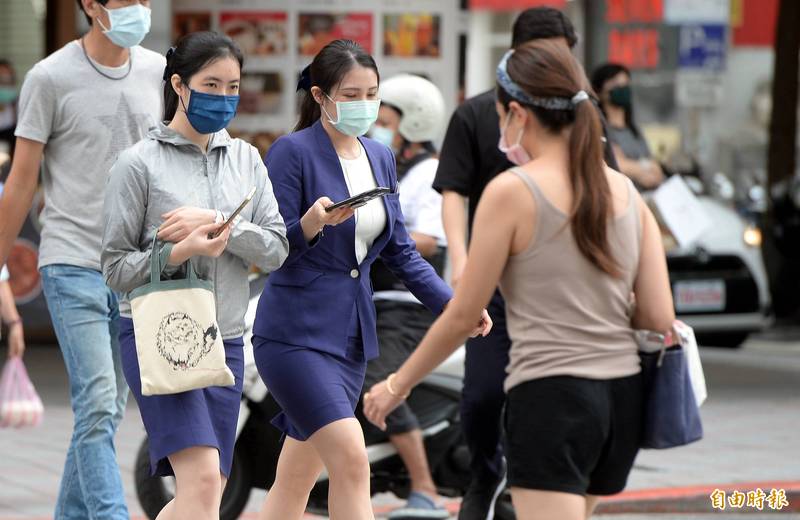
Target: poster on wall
[411,35]
[184,23]
[260,93]
[316,30]
[280,37]
[258,34]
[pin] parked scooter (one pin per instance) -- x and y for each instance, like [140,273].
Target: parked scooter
[435,402]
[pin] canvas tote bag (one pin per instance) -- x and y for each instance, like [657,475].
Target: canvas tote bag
[178,342]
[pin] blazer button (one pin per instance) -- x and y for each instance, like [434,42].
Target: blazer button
[354,273]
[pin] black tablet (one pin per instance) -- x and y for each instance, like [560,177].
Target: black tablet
[359,200]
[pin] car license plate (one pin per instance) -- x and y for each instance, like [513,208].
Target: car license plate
[700,296]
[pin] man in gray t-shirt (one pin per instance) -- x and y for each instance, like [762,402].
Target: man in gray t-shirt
[78,109]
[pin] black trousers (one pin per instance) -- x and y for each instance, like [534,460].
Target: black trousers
[483,397]
[400,326]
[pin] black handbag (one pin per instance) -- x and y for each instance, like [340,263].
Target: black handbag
[671,415]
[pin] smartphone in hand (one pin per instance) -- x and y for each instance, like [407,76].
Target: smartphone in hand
[228,222]
[359,200]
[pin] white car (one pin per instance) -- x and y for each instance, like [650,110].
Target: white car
[719,283]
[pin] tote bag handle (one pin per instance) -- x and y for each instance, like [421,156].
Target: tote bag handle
[155,264]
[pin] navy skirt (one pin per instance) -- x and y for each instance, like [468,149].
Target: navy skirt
[203,417]
[313,388]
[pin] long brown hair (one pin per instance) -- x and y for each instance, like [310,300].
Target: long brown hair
[546,69]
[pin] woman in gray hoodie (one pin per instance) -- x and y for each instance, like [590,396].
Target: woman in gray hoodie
[182,182]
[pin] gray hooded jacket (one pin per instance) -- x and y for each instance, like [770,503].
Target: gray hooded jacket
[166,171]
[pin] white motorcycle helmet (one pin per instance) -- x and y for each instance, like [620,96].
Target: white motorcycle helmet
[421,104]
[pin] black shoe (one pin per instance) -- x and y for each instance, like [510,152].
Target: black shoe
[479,500]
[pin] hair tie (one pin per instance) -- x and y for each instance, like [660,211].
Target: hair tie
[168,69]
[580,96]
[304,83]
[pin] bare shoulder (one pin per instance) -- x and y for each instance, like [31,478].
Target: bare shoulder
[507,184]
[507,192]
[621,192]
[616,179]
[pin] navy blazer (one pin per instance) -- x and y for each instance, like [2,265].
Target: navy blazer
[309,300]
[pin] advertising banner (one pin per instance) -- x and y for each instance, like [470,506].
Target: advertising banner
[280,37]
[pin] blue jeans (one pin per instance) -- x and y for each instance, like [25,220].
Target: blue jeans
[85,317]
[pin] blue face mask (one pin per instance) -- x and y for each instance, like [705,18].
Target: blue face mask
[354,118]
[383,135]
[209,113]
[129,25]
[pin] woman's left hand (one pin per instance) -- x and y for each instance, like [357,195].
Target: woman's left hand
[484,326]
[378,403]
[179,223]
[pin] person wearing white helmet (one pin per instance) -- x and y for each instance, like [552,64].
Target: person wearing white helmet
[411,118]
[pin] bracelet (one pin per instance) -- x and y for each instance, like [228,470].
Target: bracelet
[390,388]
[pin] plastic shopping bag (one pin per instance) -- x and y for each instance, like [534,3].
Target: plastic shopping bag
[20,405]
[696,375]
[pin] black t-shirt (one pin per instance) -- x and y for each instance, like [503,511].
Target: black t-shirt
[470,158]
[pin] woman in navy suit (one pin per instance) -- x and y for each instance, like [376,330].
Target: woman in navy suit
[315,325]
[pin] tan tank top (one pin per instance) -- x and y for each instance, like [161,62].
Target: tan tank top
[565,316]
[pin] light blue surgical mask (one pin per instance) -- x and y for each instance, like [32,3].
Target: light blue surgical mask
[354,118]
[7,95]
[129,25]
[383,135]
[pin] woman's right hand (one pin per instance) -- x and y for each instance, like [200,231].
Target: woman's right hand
[316,217]
[198,244]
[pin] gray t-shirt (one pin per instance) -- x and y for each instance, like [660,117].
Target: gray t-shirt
[85,120]
[633,146]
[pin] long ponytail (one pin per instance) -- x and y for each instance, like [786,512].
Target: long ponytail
[549,81]
[591,194]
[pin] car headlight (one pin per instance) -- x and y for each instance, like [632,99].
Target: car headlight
[752,235]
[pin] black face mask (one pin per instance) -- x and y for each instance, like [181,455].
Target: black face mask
[621,96]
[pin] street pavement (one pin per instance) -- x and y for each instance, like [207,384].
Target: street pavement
[752,439]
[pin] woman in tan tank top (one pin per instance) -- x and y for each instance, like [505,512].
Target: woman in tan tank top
[572,245]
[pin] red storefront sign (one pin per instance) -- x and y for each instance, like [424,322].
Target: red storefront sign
[514,5]
[634,48]
[634,11]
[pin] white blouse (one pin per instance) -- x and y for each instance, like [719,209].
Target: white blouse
[370,218]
